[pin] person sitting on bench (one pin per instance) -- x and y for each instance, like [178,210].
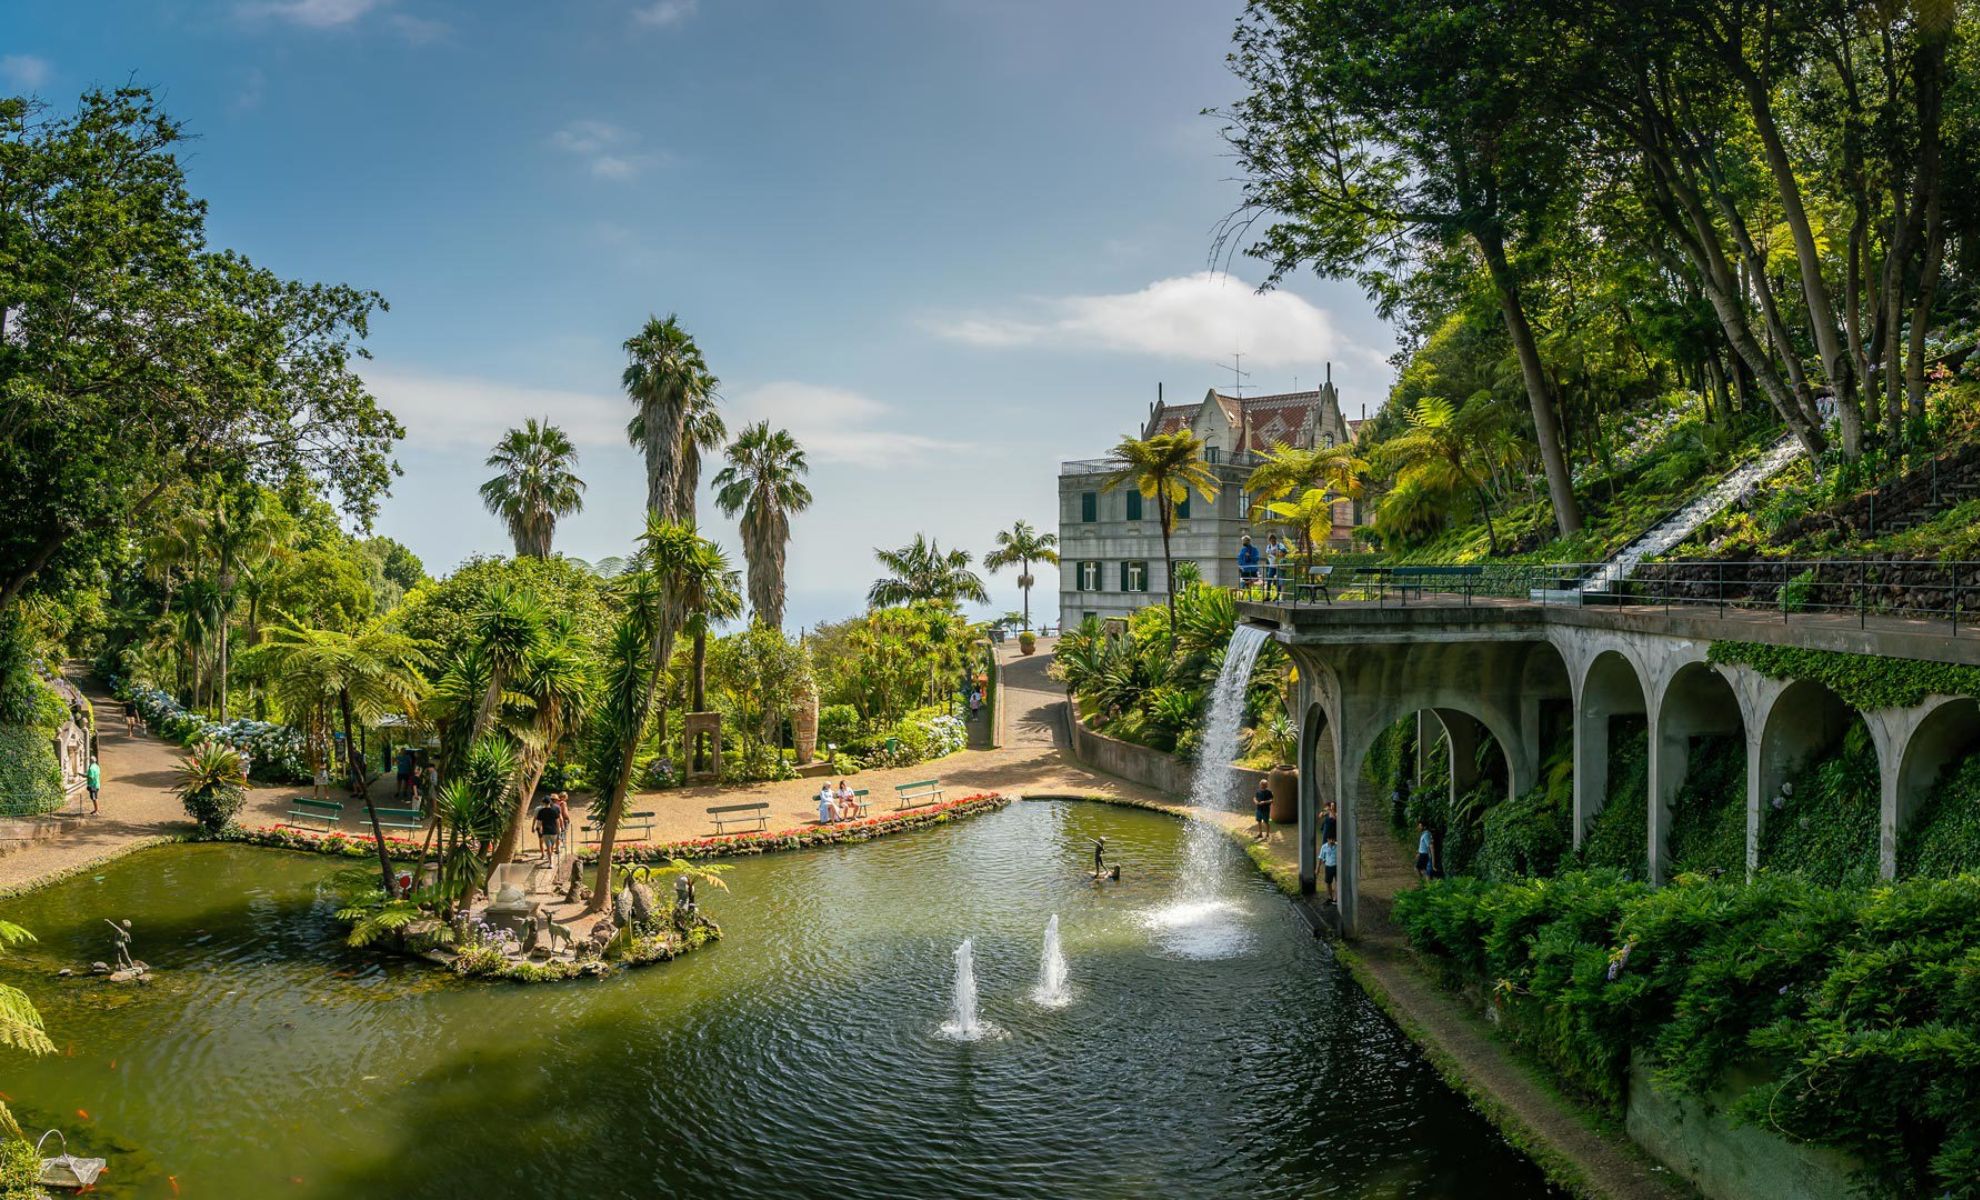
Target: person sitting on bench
[828,804]
[848,804]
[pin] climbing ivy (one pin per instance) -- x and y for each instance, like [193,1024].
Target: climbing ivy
[1825,828]
[1529,835]
[1862,681]
[1943,837]
[1619,836]
[1708,817]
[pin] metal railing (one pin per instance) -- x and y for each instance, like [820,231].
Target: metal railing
[1941,593]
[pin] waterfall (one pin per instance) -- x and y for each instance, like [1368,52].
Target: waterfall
[1736,485]
[1211,786]
[1051,991]
[963,1025]
[1200,922]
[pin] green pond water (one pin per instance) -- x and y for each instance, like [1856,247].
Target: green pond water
[1208,1051]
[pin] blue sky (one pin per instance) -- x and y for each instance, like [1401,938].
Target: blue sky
[947,244]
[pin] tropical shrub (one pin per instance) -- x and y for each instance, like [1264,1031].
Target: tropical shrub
[1826,826]
[1860,1003]
[212,785]
[1708,817]
[1530,835]
[1943,837]
[838,725]
[20,1169]
[1619,836]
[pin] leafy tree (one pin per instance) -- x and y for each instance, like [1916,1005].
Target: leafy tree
[553,690]
[440,612]
[764,482]
[508,629]
[1019,546]
[760,674]
[132,357]
[1443,450]
[538,485]
[1377,138]
[920,571]
[1318,476]
[1165,468]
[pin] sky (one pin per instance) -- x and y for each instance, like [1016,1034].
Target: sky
[946,244]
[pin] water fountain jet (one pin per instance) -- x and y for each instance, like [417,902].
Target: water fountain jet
[963,1024]
[1052,992]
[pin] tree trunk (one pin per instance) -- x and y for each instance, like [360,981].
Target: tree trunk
[505,849]
[1546,427]
[1168,566]
[615,804]
[371,810]
[700,696]
[223,663]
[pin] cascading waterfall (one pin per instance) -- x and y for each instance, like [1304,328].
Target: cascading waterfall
[963,1024]
[1210,788]
[1052,991]
[1200,922]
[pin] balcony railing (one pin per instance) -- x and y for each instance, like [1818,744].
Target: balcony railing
[1103,466]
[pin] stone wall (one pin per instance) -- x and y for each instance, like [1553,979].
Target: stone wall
[1147,766]
[1724,1161]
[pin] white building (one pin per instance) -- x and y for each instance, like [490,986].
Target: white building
[1110,543]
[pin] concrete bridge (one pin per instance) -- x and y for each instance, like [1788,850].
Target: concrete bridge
[1526,674]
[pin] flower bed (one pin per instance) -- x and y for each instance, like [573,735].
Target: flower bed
[273,753]
[360,845]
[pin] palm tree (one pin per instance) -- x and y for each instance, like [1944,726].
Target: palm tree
[554,687]
[1312,513]
[507,629]
[1020,545]
[635,661]
[538,485]
[1444,450]
[708,593]
[763,482]
[1164,468]
[366,674]
[1332,471]
[702,431]
[668,380]
[921,570]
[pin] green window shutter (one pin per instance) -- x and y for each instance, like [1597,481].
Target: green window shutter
[1182,510]
[1134,506]
[1124,578]
[1089,506]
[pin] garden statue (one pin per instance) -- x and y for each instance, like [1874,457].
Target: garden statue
[683,893]
[122,931]
[576,892]
[644,908]
[622,907]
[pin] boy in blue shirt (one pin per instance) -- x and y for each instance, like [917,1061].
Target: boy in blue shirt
[1330,860]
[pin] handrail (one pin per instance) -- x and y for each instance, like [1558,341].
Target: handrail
[1916,589]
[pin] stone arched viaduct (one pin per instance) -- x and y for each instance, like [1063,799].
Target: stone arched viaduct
[1522,672]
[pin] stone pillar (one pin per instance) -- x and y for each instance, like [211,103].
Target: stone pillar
[1670,757]
[1461,733]
[1313,732]
[1913,746]
[1591,765]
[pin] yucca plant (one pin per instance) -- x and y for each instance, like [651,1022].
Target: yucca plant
[212,785]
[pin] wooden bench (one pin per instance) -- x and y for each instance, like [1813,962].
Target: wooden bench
[401,818]
[330,812]
[594,831]
[1451,579]
[859,802]
[724,815]
[1316,584]
[913,795]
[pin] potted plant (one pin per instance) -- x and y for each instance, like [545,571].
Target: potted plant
[1027,642]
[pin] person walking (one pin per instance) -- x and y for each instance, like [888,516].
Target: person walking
[1330,824]
[1261,809]
[130,717]
[1275,572]
[94,778]
[405,772]
[1426,853]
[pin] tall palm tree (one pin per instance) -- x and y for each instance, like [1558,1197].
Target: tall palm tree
[763,481]
[537,487]
[1021,545]
[1164,468]
[635,660]
[921,570]
[702,431]
[1444,449]
[708,592]
[364,674]
[668,380]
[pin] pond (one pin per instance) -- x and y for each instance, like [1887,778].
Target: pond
[801,1055]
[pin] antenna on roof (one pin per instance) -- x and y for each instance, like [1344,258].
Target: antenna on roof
[1238,373]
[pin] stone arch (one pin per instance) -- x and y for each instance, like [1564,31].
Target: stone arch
[1803,719]
[1942,730]
[1318,785]
[1697,701]
[1609,685]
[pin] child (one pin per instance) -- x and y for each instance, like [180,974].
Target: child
[1261,810]
[1426,853]
[1330,861]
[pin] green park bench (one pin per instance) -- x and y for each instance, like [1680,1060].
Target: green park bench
[859,802]
[921,791]
[401,818]
[1441,579]
[735,814]
[642,821]
[330,812]
[1315,585]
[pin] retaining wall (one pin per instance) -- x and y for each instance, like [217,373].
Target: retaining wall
[1146,766]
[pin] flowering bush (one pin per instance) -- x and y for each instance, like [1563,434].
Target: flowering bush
[917,737]
[272,753]
[336,841]
[804,836]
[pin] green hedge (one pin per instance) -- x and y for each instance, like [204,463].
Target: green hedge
[1531,834]
[1860,680]
[30,774]
[1864,1002]
[1619,836]
[1708,817]
[1943,837]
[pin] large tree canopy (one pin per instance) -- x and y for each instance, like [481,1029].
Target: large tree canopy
[132,355]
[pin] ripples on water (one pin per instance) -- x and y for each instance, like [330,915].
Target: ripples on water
[1207,1050]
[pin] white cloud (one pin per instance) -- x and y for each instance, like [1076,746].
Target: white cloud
[834,425]
[25,71]
[664,13]
[312,14]
[1204,316]
[462,412]
[608,151]
[416,30]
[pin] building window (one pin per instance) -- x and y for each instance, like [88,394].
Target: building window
[1088,616]
[1134,506]
[1182,508]
[1210,454]
[1134,576]
[1328,440]
[1244,505]
[1089,576]
[1089,506]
